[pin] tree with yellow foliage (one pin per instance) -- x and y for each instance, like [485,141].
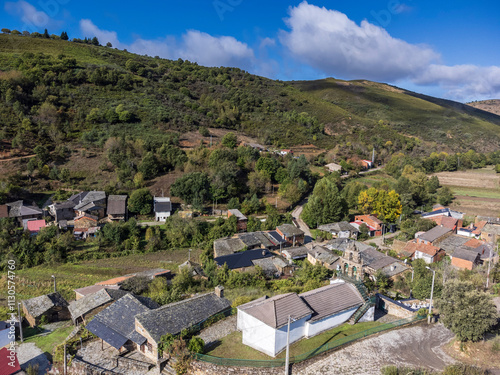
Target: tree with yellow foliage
[385,204]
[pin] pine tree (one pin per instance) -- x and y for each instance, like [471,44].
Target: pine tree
[46,34]
[95,41]
[64,35]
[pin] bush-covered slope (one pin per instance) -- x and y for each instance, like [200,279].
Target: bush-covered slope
[53,91]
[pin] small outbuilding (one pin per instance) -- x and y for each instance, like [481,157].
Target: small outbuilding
[51,306]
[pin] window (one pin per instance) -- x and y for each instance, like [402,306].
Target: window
[150,347]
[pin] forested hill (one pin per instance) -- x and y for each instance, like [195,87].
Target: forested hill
[55,91]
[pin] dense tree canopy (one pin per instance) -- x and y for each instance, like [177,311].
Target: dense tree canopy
[469,313]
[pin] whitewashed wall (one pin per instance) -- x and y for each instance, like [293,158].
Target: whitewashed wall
[297,331]
[425,257]
[369,315]
[256,334]
[313,328]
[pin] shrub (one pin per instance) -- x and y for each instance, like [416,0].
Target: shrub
[196,345]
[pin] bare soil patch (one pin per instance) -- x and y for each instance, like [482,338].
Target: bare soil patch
[474,206]
[476,179]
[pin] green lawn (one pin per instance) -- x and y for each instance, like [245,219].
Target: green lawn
[49,342]
[232,347]
[476,192]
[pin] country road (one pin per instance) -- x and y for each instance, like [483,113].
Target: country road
[302,225]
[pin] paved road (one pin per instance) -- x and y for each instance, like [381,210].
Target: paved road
[417,346]
[29,354]
[379,240]
[302,225]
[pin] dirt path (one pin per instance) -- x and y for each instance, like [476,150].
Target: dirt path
[302,225]
[18,158]
[417,346]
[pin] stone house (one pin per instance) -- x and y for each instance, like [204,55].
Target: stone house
[117,207]
[465,259]
[21,212]
[291,234]
[341,229]
[177,316]
[92,203]
[434,235]
[242,219]
[62,211]
[51,306]
[227,246]
[323,256]
[242,261]
[274,266]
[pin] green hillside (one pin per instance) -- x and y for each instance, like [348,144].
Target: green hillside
[54,91]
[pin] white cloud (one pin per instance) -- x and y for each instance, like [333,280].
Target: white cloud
[329,41]
[463,82]
[90,30]
[194,45]
[215,51]
[32,18]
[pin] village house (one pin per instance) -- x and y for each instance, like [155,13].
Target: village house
[51,306]
[264,321]
[371,221]
[274,266]
[196,269]
[83,223]
[295,253]
[115,325]
[35,226]
[85,291]
[439,210]
[291,234]
[341,229]
[242,261]
[333,167]
[21,212]
[93,203]
[227,246]
[89,305]
[177,316]
[117,207]
[427,252]
[434,235]
[242,219]
[465,259]
[323,256]
[366,164]
[162,208]
[472,230]
[491,232]
[447,222]
[62,210]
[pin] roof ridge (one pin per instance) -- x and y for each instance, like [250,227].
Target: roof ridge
[180,302]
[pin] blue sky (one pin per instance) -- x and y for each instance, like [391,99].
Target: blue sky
[425,46]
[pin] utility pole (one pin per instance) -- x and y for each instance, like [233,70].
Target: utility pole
[54,283]
[20,321]
[287,359]
[432,293]
[489,265]
[65,361]
[189,256]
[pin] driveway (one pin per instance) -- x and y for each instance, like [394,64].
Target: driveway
[302,225]
[29,354]
[417,346]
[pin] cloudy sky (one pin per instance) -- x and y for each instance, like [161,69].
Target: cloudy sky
[425,46]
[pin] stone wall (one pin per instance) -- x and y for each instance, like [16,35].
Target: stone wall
[205,368]
[78,367]
[393,307]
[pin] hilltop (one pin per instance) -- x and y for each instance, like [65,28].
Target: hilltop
[491,105]
[55,91]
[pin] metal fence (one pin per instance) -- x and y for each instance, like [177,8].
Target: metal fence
[310,354]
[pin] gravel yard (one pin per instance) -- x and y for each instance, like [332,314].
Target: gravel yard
[418,346]
[218,330]
[30,354]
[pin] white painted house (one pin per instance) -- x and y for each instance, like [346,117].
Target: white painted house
[264,321]
[162,208]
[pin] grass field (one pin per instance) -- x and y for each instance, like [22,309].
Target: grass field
[232,347]
[37,281]
[477,191]
[49,342]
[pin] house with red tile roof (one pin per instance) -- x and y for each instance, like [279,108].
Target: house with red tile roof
[34,226]
[371,221]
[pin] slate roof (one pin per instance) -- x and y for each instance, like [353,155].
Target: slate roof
[275,237]
[62,205]
[274,311]
[342,243]
[242,259]
[78,198]
[342,226]
[117,205]
[434,233]
[469,255]
[323,254]
[116,323]
[88,206]
[40,305]
[332,299]
[260,239]
[196,268]
[227,246]
[492,228]
[4,211]
[152,273]
[450,243]
[17,209]
[162,204]
[175,317]
[92,301]
[237,213]
[295,252]
[290,230]
[270,265]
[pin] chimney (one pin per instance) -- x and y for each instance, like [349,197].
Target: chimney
[219,291]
